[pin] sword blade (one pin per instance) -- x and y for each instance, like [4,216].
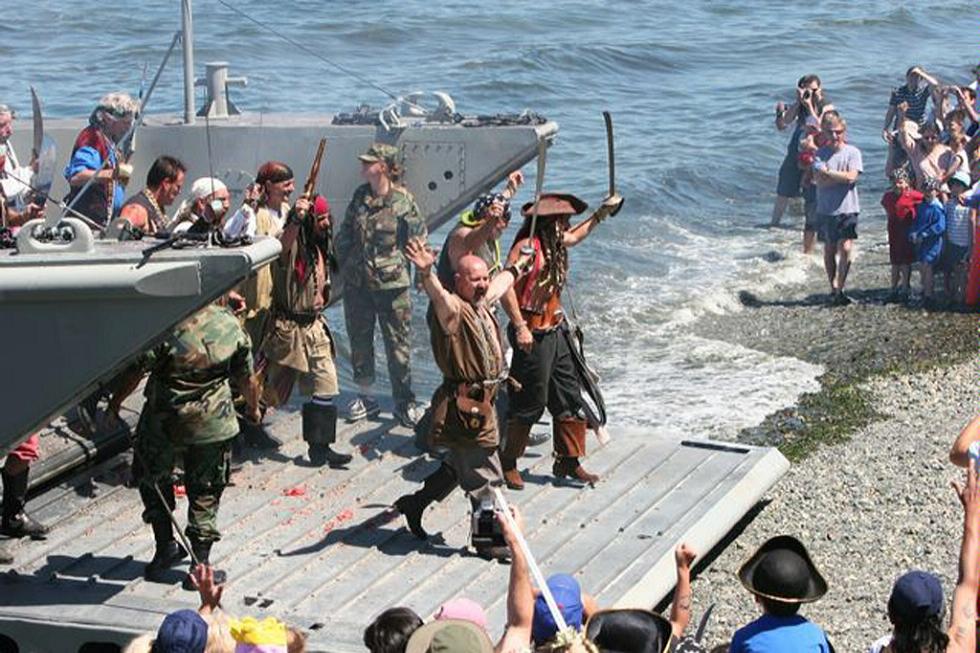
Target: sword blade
[611,151]
[38,119]
[538,183]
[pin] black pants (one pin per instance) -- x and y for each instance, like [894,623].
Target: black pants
[548,378]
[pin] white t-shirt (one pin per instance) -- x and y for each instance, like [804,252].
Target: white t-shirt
[15,178]
[880,644]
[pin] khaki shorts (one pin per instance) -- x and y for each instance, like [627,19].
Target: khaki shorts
[321,379]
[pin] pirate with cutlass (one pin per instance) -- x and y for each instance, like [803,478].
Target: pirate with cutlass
[543,365]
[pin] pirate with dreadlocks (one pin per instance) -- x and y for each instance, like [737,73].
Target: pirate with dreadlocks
[542,366]
[298,344]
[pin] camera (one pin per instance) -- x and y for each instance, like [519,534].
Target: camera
[806,94]
[486,531]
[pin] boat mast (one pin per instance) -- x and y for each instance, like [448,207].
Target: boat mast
[187,30]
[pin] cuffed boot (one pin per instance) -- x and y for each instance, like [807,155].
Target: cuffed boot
[320,431]
[16,522]
[569,447]
[202,552]
[517,436]
[436,487]
[168,551]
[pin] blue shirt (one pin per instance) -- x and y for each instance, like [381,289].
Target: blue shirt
[771,634]
[930,226]
[88,158]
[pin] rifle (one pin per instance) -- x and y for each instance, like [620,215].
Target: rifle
[310,188]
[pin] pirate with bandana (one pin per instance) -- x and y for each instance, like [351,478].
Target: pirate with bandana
[543,366]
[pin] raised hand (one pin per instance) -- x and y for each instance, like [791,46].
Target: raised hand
[418,252]
[202,577]
[684,556]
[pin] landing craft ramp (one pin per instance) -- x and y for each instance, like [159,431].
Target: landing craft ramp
[321,548]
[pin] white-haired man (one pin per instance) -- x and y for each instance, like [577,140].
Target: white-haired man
[95,154]
[15,179]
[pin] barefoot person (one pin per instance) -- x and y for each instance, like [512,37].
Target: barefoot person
[467,348]
[836,172]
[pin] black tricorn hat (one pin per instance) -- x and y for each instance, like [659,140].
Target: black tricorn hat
[628,630]
[555,204]
[782,570]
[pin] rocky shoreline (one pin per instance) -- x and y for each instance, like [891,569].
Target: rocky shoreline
[869,489]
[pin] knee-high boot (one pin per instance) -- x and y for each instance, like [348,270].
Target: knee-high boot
[320,431]
[513,448]
[15,521]
[569,447]
[436,487]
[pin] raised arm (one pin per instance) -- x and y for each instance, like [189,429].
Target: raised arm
[504,281]
[963,614]
[680,608]
[512,307]
[444,302]
[579,232]
[520,594]
[959,454]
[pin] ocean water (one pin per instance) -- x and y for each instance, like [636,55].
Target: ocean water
[691,87]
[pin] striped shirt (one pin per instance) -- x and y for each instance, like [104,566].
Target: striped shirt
[958,223]
[917,100]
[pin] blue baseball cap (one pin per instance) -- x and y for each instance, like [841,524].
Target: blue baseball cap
[183,631]
[916,595]
[568,596]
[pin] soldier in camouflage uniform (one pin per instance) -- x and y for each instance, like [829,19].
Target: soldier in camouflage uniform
[381,218]
[189,416]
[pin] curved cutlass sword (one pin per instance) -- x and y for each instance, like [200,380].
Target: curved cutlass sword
[611,155]
[528,250]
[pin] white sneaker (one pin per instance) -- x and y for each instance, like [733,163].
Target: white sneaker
[361,408]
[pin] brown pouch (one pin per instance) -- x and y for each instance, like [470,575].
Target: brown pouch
[473,409]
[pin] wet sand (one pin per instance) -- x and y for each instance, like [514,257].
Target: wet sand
[869,489]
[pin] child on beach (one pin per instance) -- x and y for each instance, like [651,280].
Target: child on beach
[900,203]
[807,155]
[960,225]
[927,235]
[782,577]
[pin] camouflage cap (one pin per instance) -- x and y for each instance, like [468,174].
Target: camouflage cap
[381,152]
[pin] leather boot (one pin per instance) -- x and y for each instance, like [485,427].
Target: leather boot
[168,551]
[514,446]
[15,522]
[320,431]
[202,551]
[436,487]
[257,436]
[569,435]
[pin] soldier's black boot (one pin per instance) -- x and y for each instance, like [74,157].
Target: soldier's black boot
[436,487]
[257,436]
[202,551]
[168,551]
[15,522]
[320,431]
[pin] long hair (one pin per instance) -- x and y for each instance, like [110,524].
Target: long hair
[926,636]
[389,633]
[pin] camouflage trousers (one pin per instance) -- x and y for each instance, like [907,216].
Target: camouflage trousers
[206,468]
[392,309]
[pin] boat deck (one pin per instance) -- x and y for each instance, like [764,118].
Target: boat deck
[322,549]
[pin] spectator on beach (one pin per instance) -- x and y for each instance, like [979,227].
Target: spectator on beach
[810,102]
[928,156]
[915,607]
[960,226]
[836,170]
[809,144]
[782,576]
[390,630]
[914,95]
[927,234]
[900,203]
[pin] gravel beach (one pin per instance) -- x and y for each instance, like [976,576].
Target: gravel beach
[869,489]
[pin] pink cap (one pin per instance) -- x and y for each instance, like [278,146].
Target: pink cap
[465,609]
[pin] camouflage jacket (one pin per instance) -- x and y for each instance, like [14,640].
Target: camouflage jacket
[371,241]
[189,376]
